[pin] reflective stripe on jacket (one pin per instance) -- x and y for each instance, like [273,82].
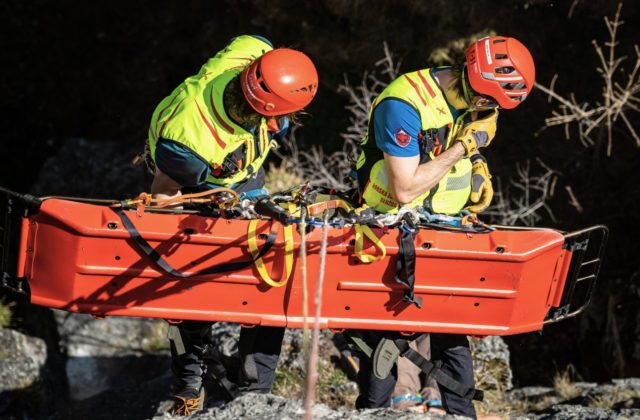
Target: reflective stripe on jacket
[449,196]
[194,115]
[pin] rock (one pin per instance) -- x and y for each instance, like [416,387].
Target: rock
[532,393]
[22,360]
[271,407]
[227,336]
[114,352]
[491,364]
[627,383]
[571,412]
[134,402]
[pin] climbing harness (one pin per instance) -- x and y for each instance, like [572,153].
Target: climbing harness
[384,348]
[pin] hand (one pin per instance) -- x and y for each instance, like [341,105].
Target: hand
[481,187]
[478,133]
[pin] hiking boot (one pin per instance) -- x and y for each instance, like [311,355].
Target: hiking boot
[188,401]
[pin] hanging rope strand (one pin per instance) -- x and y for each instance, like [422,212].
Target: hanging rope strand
[312,365]
[303,269]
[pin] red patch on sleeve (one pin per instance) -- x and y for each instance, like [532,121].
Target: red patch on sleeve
[402,138]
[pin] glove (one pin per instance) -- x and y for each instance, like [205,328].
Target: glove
[478,133]
[481,188]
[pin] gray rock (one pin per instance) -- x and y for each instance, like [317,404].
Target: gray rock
[633,413]
[531,393]
[227,336]
[491,363]
[270,407]
[585,385]
[22,359]
[109,353]
[570,412]
[627,383]
[133,402]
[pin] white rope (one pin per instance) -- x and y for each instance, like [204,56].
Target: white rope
[303,268]
[312,365]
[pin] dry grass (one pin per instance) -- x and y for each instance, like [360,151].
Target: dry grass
[492,379]
[6,315]
[563,384]
[283,177]
[617,396]
[290,383]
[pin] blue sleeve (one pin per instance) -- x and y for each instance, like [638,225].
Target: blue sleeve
[396,126]
[180,164]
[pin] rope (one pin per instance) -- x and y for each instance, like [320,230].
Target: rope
[146,200]
[312,367]
[303,268]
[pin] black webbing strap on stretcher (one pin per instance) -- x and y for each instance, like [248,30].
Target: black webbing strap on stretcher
[406,263]
[149,251]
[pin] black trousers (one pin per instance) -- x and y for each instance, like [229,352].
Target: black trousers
[452,349]
[259,349]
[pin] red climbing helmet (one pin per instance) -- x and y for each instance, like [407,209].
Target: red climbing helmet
[501,68]
[279,82]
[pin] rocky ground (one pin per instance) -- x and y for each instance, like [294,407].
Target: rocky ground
[119,368]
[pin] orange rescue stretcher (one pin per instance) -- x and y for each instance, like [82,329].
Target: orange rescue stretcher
[78,256]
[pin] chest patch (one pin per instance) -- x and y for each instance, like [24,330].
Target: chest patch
[402,137]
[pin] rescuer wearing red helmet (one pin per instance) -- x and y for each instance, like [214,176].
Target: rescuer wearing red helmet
[421,150]
[216,130]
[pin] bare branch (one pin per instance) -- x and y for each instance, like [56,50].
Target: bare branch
[523,206]
[616,97]
[573,200]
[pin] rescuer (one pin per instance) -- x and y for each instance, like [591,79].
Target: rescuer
[422,149]
[215,130]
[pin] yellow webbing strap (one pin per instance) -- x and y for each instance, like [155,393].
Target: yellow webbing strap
[288,254]
[361,232]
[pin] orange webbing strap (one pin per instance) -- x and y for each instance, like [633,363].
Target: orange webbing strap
[363,231]
[146,200]
[288,254]
[193,198]
[331,204]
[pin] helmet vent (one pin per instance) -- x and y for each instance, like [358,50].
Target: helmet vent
[258,73]
[264,86]
[504,70]
[501,56]
[512,86]
[497,41]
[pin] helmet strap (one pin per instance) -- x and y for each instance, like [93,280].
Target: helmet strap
[467,90]
[465,86]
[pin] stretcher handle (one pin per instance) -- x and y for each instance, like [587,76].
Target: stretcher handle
[257,254]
